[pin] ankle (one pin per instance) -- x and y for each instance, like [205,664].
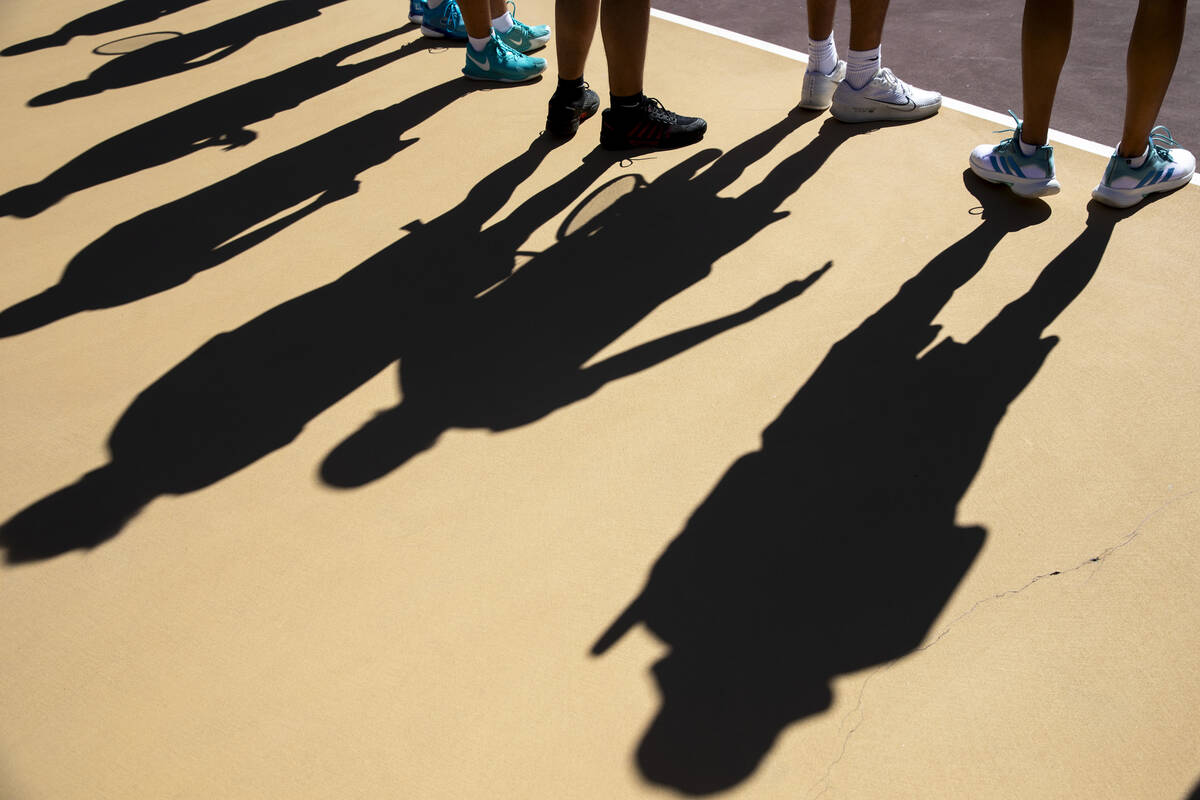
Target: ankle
[1135,155]
[569,90]
[627,102]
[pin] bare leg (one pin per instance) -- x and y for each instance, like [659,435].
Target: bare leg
[497,8]
[1153,50]
[625,26]
[477,17]
[820,18]
[866,23]
[1045,39]
[574,27]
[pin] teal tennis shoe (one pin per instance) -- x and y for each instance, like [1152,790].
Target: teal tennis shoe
[524,38]
[499,62]
[1027,176]
[444,22]
[1166,168]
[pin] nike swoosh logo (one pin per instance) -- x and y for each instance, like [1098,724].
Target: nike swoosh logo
[483,65]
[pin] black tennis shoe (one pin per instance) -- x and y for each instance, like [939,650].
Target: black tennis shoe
[648,124]
[564,116]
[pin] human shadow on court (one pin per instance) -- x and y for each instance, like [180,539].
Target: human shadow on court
[247,392]
[222,120]
[189,51]
[250,391]
[835,546]
[167,246]
[115,17]
[519,352]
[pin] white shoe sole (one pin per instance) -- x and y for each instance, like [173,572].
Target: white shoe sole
[1126,198]
[865,110]
[1022,187]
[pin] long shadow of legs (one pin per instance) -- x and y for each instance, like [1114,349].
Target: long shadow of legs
[192,50]
[246,393]
[217,121]
[835,547]
[517,353]
[124,14]
[167,246]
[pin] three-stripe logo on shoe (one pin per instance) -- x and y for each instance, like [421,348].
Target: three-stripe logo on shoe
[1007,165]
[1157,177]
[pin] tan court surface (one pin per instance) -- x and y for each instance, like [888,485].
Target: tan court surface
[960,563]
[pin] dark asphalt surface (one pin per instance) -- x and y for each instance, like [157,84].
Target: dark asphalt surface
[970,50]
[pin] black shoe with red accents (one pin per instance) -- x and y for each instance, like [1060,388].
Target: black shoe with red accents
[567,110]
[648,124]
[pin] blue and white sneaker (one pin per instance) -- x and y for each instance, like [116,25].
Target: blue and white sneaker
[416,11]
[444,21]
[499,62]
[1027,176]
[1167,167]
[524,38]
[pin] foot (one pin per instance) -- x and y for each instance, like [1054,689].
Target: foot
[499,62]
[416,11]
[566,113]
[445,21]
[1006,163]
[648,124]
[525,38]
[1167,167]
[884,98]
[818,89]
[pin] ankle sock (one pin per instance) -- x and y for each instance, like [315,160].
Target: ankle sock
[503,24]
[822,55]
[1027,149]
[569,90]
[626,102]
[478,44]
[1137,161]
[435,3]
[861,66]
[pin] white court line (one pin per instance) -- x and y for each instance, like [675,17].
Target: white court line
[947,102]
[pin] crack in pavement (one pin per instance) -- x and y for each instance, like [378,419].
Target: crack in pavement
[825,783]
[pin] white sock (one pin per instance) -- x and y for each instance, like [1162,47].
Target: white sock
[861,66]
[822,55]
[434,3]
[1137,161]
[478,44]
[1027,149]
[503,24]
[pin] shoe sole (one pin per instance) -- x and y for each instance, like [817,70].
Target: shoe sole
[434,33]
[494,79]
[416,18]
[682,140]
[881,112]
[1126,198]
[1027,187]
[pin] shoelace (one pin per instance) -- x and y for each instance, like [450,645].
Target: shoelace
[1162,142]
[453,15]
[504,53]
[889,79]
[658,112]
[1010,143]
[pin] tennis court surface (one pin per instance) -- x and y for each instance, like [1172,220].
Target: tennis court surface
[359,442]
